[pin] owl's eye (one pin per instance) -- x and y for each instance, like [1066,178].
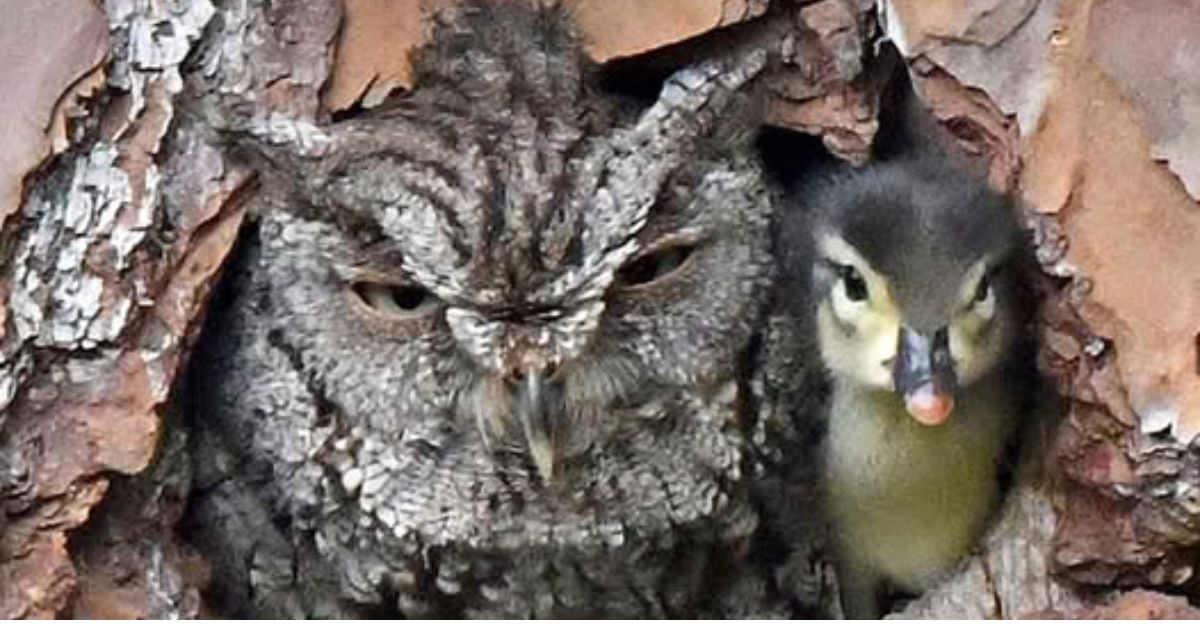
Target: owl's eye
[398,301]
[654,265]
[856,286]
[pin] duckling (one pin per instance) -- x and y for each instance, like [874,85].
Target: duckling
[910,277]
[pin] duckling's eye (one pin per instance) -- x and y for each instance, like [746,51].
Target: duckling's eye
[397,301]
[654,266]
[983,301]
[983,290]
[855,285]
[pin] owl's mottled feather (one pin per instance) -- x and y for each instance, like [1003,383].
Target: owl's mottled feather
[505,261]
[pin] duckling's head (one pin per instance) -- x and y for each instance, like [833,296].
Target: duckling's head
[915,280]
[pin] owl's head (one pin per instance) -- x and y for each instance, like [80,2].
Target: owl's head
[510,273]
[916,286]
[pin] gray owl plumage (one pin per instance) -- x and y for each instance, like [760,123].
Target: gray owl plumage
[482,355]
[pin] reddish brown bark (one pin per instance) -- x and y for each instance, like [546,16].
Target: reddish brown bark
[1085,109]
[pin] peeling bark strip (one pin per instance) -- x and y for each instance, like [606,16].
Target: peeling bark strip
[1085,108]
[52,52]
[106,267]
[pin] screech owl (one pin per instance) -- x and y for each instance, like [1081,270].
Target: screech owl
[482,353]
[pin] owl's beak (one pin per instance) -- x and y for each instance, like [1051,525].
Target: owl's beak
[924,375]
[535,400]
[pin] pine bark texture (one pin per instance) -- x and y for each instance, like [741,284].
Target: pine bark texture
[118,207]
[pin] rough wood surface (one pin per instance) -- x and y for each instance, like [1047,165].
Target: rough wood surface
[117,208]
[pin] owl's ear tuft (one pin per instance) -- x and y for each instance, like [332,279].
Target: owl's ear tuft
[281,140]
[721,102]
[296,153]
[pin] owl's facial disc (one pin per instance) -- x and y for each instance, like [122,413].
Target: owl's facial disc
[868,338]
[539,402]
[553,227]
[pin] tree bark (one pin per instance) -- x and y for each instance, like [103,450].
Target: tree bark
[118,206]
